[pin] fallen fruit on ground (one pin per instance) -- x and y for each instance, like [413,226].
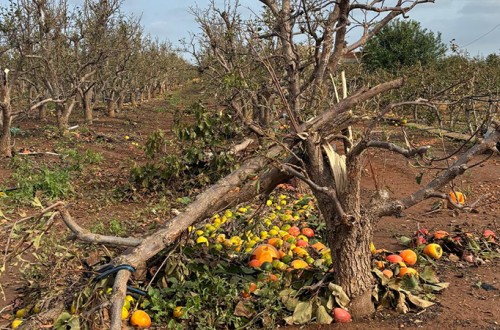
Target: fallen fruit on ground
[340,315]
[388,273]
[394,258]
[16,323]
[408,271]
[307,232]
[178,312]
[440,234]
[265,251]
[299,264]
[21,313]
[457,197]
[489,235]
[124,313]
[255,263]
[294,231]
[140,319]
[433,250]
[409,257]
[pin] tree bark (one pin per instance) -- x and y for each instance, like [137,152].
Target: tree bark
[133,99]
[42,112]
[5,140]
[88,106]
[5,107]
[111,105]
[119,102]
[63,111]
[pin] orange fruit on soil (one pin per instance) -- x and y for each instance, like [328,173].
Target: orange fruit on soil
[301,243]
[269,278]
[407,271]
[457,197]
[440,234]
[394,258]
[409,257]
[318,246]
[255,263]
[294,231]
[140,319]
[299,264]
[380,264]
[433,250]
[263,251]
[307,232]
[388,273]
[275,241]
[265,257]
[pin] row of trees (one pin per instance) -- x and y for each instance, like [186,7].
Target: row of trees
[62,56]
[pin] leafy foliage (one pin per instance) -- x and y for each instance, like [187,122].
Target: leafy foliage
[52,183]
[202,157]
[403,43]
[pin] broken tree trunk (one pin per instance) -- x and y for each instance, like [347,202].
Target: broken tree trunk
[234,188]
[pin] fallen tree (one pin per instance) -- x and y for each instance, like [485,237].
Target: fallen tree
[237,188]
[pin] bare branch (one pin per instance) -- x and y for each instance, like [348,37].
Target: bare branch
[492,137]
[86,236]
[408,153]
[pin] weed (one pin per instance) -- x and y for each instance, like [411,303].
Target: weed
[49,183]
[115,227]
[76,160]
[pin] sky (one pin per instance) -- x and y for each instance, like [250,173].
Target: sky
[474,25]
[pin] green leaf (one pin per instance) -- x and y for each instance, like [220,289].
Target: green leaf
[435,287]
[66,320]
[288,299]
[322,316]
[340,297]
[404,240]
[302,313]
[410,283]
[37,241]
[429,275]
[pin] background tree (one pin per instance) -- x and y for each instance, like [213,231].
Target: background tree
[403,43]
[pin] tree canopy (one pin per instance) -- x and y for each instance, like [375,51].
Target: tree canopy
[403,43]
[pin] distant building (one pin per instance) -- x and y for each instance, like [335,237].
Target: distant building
[352,57]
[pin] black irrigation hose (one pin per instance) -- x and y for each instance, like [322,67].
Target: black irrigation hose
[110,269]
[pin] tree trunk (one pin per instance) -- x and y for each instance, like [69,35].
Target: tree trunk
[62,118]
[63,111]
[88,106]
[119,102]
[350,250]
[133,99]
[111,105]
[349,241]
[42,112]
[5,144]
[5,107]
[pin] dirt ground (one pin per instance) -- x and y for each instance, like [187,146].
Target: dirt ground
[464,305]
